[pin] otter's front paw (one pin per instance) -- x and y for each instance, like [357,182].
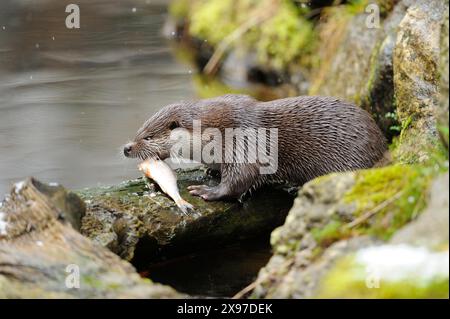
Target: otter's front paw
[208,193]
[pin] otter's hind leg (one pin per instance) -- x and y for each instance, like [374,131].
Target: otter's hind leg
[236,180]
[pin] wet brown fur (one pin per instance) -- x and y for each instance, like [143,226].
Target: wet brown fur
[316,136]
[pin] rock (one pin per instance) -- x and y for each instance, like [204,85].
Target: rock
[70,207]
[139,223]
[398,72]
[301,276]
[414,264]
[388,271]
[443,111]
[431,228]
[417,58]
[356,64]
[43,256]
[334,215]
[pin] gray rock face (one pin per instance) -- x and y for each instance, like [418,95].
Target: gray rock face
[301,276]
[361,69]
[397,70]
[431,228]
[288,273]
[416,60]
[335,216]
[318,202]
[417,73]
[443,112]
[43,256]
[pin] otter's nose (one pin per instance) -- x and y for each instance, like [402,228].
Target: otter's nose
[127,150]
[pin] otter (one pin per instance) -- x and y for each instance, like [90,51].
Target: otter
[315,136]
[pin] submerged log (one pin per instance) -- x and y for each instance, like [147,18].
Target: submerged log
[139,223]
[43,256]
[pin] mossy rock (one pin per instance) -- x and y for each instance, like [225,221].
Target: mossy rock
[140,223]
[43,256]
[417,76]
[284,38]
[388,271]
[336,214]
[328,208]
[356,60]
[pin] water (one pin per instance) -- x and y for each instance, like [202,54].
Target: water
[220,272]
[70,98]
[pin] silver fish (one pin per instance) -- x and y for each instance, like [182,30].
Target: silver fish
[165,177]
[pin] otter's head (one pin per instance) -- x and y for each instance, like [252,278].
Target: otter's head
[153,138]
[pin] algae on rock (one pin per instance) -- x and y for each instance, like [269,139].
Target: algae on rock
[134,214]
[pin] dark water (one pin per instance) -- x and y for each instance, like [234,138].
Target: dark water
[70,98]
[220,272]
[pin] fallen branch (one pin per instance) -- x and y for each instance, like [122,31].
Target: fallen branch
[374,211]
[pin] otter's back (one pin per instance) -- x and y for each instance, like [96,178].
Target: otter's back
[319,135]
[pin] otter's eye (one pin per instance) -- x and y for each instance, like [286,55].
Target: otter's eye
[173,125]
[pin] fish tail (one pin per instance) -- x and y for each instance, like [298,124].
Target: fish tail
[186,207]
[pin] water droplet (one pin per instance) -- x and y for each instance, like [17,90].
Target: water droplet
[3,27]
[134,10]
[37,45]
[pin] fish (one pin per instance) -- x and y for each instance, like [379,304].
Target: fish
[166,178]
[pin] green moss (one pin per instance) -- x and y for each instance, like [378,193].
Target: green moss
[348,280]
[214,20]
[92,282]
[385,199]
[329,234]
[207,87]
[286,37]
[395,194]
[180,9]
[415,146]
[359,6]
[355,7]
[386,6]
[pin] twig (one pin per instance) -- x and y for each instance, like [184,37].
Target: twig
[374,210]
[211,66]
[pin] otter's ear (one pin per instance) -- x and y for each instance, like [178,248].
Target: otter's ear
[174,125]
